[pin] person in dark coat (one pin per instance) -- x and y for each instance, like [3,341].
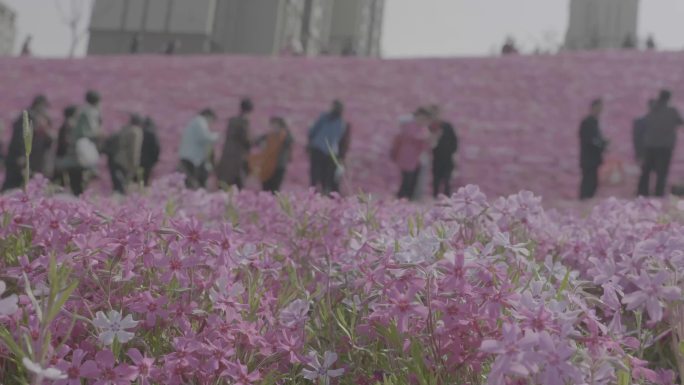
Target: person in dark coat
[442,153]
[150,149]
[63,137]
[638,131]
[15,162]
[233,164]
[660,138]
[592,146]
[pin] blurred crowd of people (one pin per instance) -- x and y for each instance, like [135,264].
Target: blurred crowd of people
[70,155]
[654,140]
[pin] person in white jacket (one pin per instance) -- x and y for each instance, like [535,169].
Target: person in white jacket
[196,148]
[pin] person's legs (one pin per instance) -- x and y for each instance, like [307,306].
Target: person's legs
[413,183]
[404,187]
[328,177]
[663,160]
[76,180]
[13,177]
[118,178]
[147,172]
[202,175]
[273,184]
[646,167]
[317,159]
[447,181]
[589,182]
[190,177]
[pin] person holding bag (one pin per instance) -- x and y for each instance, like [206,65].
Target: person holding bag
[84,152]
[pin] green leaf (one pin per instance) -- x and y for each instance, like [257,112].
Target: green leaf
[623,377]
[61,300]
[563,285]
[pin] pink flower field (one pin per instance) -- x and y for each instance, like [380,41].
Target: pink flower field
[517,117]
[171,286]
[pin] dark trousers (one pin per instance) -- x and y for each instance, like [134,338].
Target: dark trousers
[658,160]
[409,180]
[14,177]
[118,176]
[441,181]
[146,174]
[273,184]
[589,183]
[195,176]
[322,171]
[76,180]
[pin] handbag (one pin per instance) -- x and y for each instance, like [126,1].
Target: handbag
[86,153]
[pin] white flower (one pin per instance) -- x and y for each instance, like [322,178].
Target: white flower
[8,305]
[113,326]
[417,250]
[294,313]
[49,373]
[316,370]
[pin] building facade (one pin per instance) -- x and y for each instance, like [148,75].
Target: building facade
[602,24]
[261,27]
[7,30]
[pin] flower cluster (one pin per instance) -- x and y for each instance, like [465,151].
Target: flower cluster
[176,287]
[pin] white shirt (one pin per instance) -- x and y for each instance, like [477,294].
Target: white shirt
[197,141]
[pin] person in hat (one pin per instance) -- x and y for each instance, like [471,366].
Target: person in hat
[15,162]
[233,164]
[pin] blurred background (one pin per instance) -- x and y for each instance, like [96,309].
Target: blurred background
[394,28]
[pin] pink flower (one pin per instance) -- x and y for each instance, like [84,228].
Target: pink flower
[105,371]
[317,371]
[153,308]
[295,313]
[74,369]
[238,373]
[143,366]
[652,293]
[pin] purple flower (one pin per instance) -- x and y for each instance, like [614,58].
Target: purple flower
[316,370]
[651,294]
[295,313]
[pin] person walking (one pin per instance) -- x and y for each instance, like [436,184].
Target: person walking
[407,148]
[151,149]
[196,146]
[442,153]
[124,153]
[232,167]
[323,146]
[638,132]
[64,136]
[270,163]
[592,146]
[660,137]
[15,161]
[86,139]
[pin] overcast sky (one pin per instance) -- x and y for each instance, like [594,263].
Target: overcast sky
[414,27]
